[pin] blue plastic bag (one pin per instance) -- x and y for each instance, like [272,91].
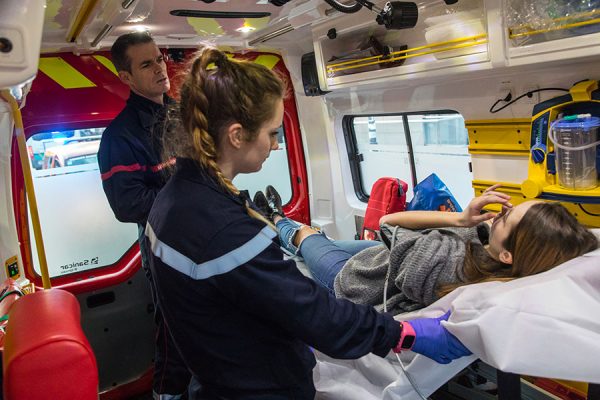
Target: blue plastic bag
[433,194]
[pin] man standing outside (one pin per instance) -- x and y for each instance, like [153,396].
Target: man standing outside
[130,167]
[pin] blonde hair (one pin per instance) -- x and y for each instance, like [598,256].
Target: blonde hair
[547,236]
[217,92]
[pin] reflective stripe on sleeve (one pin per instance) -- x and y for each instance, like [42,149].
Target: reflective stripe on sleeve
[161,166]
[221,265]
[122,168]
[136,167]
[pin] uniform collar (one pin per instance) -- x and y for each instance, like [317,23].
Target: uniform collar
[147,109]
[191,170]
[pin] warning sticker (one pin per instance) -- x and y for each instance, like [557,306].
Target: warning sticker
[11,267]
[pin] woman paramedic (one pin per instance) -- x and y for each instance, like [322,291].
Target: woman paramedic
[242,317]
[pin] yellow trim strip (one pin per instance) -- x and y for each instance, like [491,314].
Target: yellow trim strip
[63,73]
[459,40]
[555,28]
[506,137]
[481,184]
[514,153]
[527,27]
[335,67]
[517,197]
[565,18]
[107,63]
[512,189]
[33,208]
[502,121]
[80,19]
[268,60]
[557,189]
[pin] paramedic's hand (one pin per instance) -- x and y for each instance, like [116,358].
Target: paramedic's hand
[434,341]
[472,215]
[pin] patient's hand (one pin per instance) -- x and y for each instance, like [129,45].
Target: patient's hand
[472,216]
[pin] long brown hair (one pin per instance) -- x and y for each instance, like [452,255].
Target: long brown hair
[217,92]
[546,236]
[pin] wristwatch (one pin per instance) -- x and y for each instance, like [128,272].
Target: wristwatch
[407,337]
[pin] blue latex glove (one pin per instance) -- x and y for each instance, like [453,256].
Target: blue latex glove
[434,341]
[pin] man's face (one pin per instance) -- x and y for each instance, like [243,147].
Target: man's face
[148,76]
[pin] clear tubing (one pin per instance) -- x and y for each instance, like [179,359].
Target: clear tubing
[385,286]
[572,148]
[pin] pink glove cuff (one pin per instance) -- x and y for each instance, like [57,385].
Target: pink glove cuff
[407,337]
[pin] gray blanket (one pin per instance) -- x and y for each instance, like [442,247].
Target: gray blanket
[420,262]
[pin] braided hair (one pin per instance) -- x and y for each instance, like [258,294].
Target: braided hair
[217,92]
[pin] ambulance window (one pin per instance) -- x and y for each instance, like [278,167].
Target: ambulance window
[275,172]
[409,146]
[79,229]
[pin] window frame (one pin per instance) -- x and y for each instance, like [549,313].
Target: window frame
[79,282]
[91,107]
[355,158]
[130,261]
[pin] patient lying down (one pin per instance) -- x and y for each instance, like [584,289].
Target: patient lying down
[431,253]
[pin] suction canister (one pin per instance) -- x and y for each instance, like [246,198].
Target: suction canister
[575,139]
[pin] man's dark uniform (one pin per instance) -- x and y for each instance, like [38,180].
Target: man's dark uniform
[132,175]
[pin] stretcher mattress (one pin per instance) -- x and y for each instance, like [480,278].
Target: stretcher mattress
[546,325]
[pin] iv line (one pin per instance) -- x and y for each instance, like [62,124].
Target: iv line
[385,286]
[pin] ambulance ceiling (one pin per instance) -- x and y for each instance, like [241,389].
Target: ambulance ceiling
[83,25]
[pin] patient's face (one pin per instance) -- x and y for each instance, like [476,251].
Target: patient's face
[502,225]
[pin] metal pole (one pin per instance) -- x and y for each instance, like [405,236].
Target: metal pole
[33,209]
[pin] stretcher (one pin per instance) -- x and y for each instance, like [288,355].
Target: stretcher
[545,325]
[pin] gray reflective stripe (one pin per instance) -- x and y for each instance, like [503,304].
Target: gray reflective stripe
[221,265]
[156,396]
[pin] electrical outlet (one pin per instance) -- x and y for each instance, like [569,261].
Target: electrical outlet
[535,97]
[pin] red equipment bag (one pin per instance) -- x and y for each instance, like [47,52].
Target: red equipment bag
[388,195]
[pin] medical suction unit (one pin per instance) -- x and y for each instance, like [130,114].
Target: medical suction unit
[564,159]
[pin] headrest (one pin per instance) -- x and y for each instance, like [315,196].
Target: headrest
[46,354]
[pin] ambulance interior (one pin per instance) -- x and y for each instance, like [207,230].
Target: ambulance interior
[465,89]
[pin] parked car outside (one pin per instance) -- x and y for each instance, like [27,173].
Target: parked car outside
[71,154]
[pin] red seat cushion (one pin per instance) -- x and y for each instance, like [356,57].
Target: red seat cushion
[46,354]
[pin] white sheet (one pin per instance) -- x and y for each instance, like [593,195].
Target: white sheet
[546,325]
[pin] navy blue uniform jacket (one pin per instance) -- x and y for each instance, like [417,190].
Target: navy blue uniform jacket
[129,158]
[240,314]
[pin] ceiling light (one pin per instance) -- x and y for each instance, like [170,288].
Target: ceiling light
[246,28]
[140,28]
